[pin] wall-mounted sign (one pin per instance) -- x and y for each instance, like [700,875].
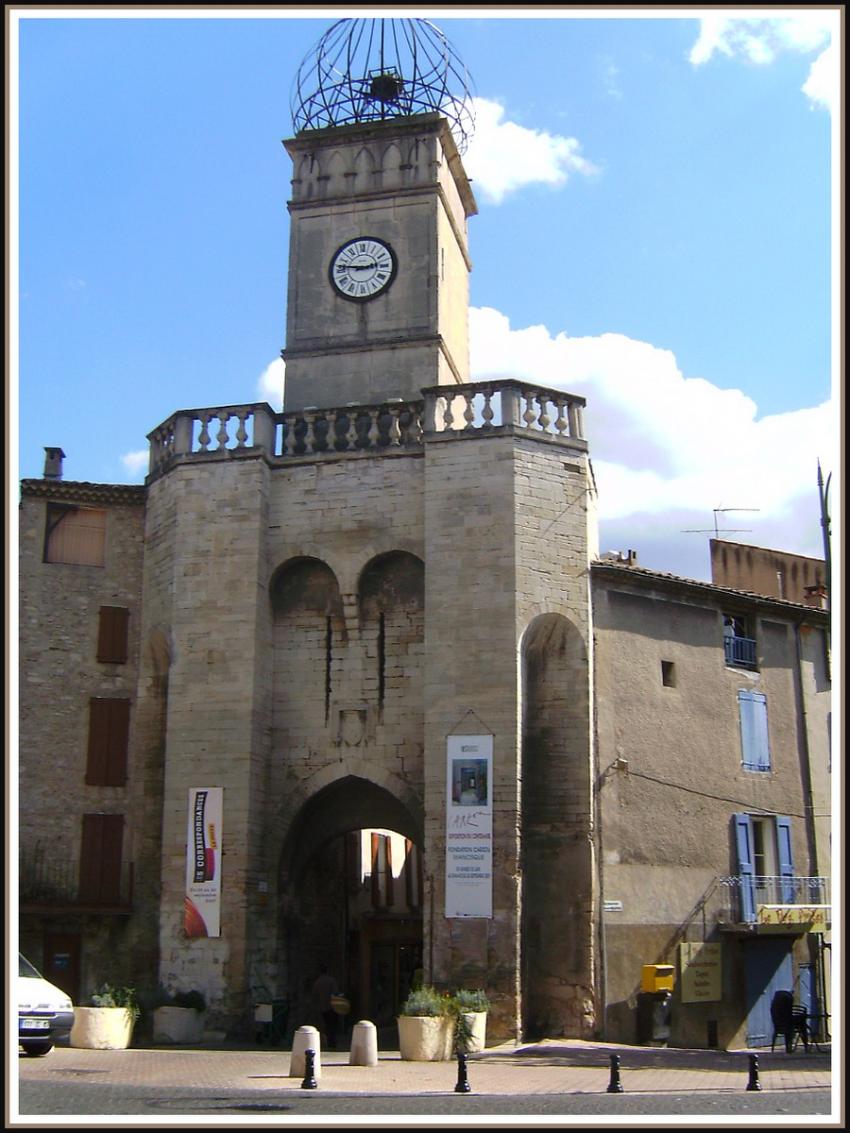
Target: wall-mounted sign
[202,902]
[612,906]
[810,917]
[699,966]
[469,826]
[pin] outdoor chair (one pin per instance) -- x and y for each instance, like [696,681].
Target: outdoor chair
[789,1020]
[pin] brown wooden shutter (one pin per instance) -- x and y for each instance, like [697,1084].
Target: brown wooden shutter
[112,635]
[100,859]
[109,733]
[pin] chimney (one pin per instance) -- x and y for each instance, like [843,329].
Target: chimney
[53,458]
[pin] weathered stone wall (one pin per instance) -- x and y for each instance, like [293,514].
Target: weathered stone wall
[506,540]
[206,593]
[59,673]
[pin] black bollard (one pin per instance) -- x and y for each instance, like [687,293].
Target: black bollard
[309,1082]
[753,1083]
[615,1086]
[462,1086]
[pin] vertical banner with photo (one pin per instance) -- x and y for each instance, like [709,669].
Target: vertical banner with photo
[469,826]
[202,903]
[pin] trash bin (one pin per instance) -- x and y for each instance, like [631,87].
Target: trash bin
[653,1017]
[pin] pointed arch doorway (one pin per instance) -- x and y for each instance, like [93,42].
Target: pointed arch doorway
[351,886]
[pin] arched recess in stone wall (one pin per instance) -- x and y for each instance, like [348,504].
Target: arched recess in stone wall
[392,628]
[318,875]
[308,634]
[557,860]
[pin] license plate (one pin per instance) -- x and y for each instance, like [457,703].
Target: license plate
[35,1024]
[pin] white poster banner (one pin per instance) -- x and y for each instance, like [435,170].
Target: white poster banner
[202,903]
[469,826]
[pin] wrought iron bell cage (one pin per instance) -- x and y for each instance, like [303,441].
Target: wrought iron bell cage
[373,70]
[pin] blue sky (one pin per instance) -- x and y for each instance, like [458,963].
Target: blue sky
[656,232]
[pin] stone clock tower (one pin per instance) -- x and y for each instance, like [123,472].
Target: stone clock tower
[343,599]
[379,266]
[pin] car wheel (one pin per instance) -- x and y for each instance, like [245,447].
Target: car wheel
[35,1050]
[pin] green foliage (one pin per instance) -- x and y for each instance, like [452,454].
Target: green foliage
[465,1002]
[108,995]
[427,1001]
[193,999]
[468,1000]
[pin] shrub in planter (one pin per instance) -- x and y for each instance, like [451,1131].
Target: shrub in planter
[180,1018]
[470,1009]
[426,1026]
[107,1021]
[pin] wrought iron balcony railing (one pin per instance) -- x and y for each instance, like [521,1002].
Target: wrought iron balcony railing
[740,652]
[45,882]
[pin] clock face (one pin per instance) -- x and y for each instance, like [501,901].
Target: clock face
[362,268]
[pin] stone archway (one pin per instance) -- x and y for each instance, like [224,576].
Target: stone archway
[351,902]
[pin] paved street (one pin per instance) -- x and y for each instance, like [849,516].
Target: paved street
[564,1078]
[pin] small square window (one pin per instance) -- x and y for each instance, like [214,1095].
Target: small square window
[668,674]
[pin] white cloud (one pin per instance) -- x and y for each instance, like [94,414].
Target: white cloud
[822,85]
[270,383]
[667,449]
[136,462]
[760,40]
[504,156]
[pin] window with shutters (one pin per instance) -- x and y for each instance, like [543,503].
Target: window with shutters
[109,733]
[100,859]
[75,535]
[765,862]
[112,635]
[755,743]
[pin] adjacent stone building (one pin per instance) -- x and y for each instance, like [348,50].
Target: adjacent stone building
[350,683]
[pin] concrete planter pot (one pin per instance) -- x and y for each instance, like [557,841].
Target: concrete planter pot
[102,1028]
[477,1022]
[425,1038]
[178,1025]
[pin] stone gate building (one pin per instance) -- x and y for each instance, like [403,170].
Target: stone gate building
[307,620]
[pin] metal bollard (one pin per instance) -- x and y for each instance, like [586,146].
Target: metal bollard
[753,1083]
[463,1086]
[615,1086]
[309,1082]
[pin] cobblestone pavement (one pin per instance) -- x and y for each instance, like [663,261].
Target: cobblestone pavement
[549,1067]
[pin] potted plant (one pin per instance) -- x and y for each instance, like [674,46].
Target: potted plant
[107,1021]
[470,1009]
[426,1026]
[179,1018]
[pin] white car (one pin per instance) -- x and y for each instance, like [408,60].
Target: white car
[45,1013]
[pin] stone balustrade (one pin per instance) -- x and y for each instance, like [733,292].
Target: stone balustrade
[504,403]
[225,432]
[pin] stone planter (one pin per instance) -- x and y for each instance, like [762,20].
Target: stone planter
[102,1028]
[477,1021]
[425,1038]
[178,1025]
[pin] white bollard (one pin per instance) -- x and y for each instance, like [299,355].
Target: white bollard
[304,1039]
[364,1044]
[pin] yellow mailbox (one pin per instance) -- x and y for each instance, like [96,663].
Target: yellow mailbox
[656,977]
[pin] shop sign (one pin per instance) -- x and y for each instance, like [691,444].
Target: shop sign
[811,917]
[699,966]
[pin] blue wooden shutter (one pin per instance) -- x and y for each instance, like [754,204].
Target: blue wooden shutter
[755,749]
[786,861]
[744,842]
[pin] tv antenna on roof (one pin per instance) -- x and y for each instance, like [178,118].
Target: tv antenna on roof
[718,531]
